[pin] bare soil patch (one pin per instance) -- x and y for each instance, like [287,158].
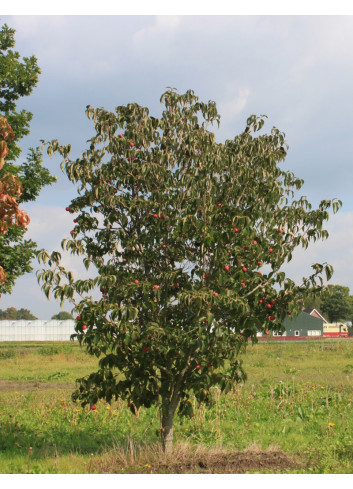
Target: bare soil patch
[234,463]
[200,460]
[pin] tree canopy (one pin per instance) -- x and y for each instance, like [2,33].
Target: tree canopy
[62,316]
[11,313]
[336,303]
[185,238]
[18,77]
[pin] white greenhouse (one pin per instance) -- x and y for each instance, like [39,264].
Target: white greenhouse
[36,330]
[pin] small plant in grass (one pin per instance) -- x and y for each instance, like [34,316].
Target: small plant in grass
[177,227]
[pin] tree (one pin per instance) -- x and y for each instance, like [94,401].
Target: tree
[17,79]
[335,303]
[313,301]
[13,314]
[62,316]
[10,192]
[349,316]
[186,237]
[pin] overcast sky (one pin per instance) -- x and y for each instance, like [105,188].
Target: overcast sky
[298,70]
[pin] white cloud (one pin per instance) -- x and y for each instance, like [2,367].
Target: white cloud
[48,226]
[155,42]
[337,250]
[75,45]
[232,106]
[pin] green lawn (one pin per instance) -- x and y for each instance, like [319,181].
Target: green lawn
[297,399]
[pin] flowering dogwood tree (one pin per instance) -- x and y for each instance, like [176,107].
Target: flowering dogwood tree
[186,238]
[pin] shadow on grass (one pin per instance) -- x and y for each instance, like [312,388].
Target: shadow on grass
[18,438]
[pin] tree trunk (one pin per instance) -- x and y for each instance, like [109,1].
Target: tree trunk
[168,411]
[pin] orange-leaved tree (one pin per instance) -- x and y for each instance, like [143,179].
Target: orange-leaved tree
[10,191]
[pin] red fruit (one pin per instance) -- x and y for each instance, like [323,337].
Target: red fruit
[136,281]
[162,216]
[84,327]
[216,294]
[72,233]
[120,135]
[78,318]
[156,287]
[227,288]
[226,267]
[104,295]
[124,259]
[280,230]
[270,250]
[75,221]
[198,367]
[67,209]
[145,348]
[264,297]
[260,272]
[206,275]
[269,306]
[93,408]
[260,301]
[255,242]
[259,263]
[219,205]
[155,216]
[235,230]
[243,284]
[244,269]
[164,246]
[206,320]
[271,318]
[273,303]
[176,285]
[115,191]
[227,254]
[107,181]
[266,332]
[196,266]
[208,364]
[131,144]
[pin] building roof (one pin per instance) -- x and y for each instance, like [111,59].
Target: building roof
[312,311]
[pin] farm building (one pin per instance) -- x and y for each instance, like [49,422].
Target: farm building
[302,327]
[315,313]
[36,330]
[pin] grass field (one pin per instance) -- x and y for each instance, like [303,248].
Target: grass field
[293,415]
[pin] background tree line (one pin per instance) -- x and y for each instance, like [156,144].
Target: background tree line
[334,303]
[13,314]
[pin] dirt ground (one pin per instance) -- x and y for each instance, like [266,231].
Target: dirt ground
[235,463]
[218,462]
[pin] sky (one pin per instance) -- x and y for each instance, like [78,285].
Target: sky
[296,69]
